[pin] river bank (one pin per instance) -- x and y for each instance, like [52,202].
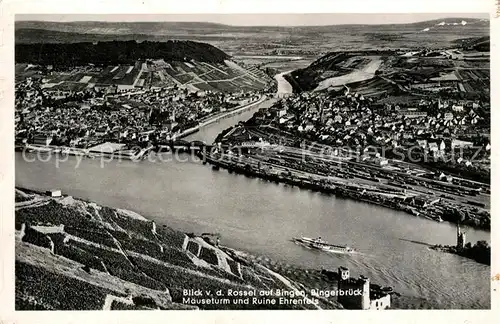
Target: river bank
[322,184]
[480,252]
[218,117]
[307,183]
[284,87]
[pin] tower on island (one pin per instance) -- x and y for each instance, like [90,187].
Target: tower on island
[460,237]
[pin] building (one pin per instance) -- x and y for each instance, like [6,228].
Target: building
[101,131]
[41,139]
[448,116]
[461,144]
[381,161]
[359,294]
[409,113]
[54,193]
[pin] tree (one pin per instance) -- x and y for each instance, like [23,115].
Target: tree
[482,245]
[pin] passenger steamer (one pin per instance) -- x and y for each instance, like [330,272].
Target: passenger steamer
[322,245]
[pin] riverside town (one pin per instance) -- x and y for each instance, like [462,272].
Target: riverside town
[169,165]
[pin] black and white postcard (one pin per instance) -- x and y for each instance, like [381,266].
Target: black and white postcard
[249,161]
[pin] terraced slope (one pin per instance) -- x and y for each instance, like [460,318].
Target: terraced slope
[225,76]
[130,64]
[72,254]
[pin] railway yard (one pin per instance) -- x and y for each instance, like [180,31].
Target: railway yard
[407,130]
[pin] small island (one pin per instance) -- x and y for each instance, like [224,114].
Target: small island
[480,252]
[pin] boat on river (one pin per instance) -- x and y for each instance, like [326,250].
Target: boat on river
[322,245]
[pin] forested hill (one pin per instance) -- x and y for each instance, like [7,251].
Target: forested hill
[116,52]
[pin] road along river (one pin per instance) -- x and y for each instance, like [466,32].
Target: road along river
[261,217]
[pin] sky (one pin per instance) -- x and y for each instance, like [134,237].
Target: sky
[258,19]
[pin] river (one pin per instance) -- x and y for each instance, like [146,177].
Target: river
[284,86]
[365,73]
[261,217]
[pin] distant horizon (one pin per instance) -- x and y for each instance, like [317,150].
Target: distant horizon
[256,20]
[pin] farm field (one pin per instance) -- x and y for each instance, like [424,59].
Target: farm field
[211,76]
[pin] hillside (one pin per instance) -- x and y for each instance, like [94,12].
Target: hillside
[115,52]
[336,69]
[166,27]
[481,44]
[35,35]
[132,64]
[73,254]
[464,66]
[117,28]
[310,41]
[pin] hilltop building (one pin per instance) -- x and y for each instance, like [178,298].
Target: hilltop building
[370,296]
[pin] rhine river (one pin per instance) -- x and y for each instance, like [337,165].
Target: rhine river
[261,217]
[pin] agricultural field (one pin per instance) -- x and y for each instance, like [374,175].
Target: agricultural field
[226,77]
[476,74]
[70,86]
[215,76]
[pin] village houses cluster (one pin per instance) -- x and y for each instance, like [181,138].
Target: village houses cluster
[435,127]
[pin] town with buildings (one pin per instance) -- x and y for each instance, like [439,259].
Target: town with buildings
[428,159]
[87,118]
